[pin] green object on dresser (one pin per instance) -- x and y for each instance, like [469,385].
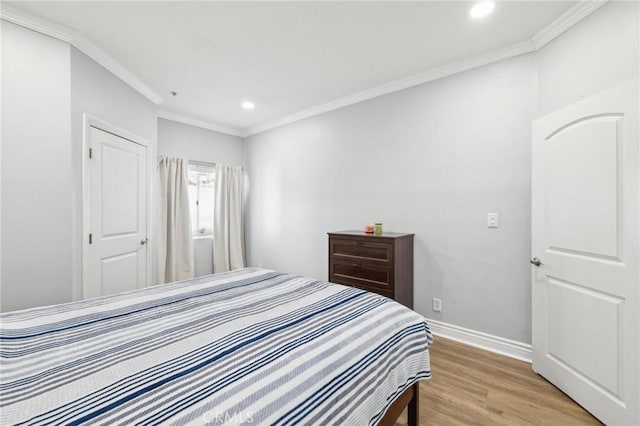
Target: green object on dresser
[377,229]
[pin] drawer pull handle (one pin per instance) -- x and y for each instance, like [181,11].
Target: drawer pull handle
[357,265]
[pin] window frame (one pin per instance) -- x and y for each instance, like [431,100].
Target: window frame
[200,168]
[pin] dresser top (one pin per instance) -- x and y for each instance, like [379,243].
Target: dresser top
[366,235]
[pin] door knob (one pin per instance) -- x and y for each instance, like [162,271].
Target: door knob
[143,242]
[535,261]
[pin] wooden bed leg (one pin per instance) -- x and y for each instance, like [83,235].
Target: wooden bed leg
[413,409]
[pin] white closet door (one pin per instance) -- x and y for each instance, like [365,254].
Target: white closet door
[117,252]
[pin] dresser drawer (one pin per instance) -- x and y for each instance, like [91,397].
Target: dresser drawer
[362,275]
[361,251]
[380,263]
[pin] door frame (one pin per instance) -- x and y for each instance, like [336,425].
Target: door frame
[89,121]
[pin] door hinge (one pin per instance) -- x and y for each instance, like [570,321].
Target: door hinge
[90,152]
[90,238]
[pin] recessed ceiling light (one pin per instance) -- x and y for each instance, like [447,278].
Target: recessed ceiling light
[482,9]
[248,105]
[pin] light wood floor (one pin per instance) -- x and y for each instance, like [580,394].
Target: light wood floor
[471,386]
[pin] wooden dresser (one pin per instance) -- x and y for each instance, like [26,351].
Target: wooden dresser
[381,264]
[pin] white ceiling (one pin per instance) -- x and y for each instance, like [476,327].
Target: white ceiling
[286,56]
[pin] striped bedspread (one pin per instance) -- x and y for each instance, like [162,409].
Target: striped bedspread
[245,347]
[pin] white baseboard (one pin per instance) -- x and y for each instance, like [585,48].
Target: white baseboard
[499,345]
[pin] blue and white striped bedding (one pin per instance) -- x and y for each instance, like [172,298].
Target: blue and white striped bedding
[245,347]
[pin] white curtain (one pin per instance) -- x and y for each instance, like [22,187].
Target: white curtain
[175,248]
[228,219]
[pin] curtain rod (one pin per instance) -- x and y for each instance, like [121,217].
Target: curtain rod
[202,163]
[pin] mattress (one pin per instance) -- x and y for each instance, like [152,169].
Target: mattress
[245,347]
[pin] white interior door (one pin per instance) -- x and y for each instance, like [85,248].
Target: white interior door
[117,245]
[585,214]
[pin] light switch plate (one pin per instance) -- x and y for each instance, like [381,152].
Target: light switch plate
[492,220]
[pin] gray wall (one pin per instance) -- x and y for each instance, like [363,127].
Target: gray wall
[97,92]
[36,170]
[598,53]
[434,160]
[194,143]
[47,86]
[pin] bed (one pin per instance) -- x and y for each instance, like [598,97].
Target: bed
[251,346]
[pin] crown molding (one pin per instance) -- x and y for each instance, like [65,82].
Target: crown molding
[60,32]
[511,51]
[168,115]
[35,23]
[107,61]
[565,21]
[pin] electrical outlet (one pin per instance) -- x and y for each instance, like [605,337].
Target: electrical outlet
[492,220]
[259,264]
[437,304]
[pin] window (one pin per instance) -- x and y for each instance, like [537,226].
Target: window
[201,197]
